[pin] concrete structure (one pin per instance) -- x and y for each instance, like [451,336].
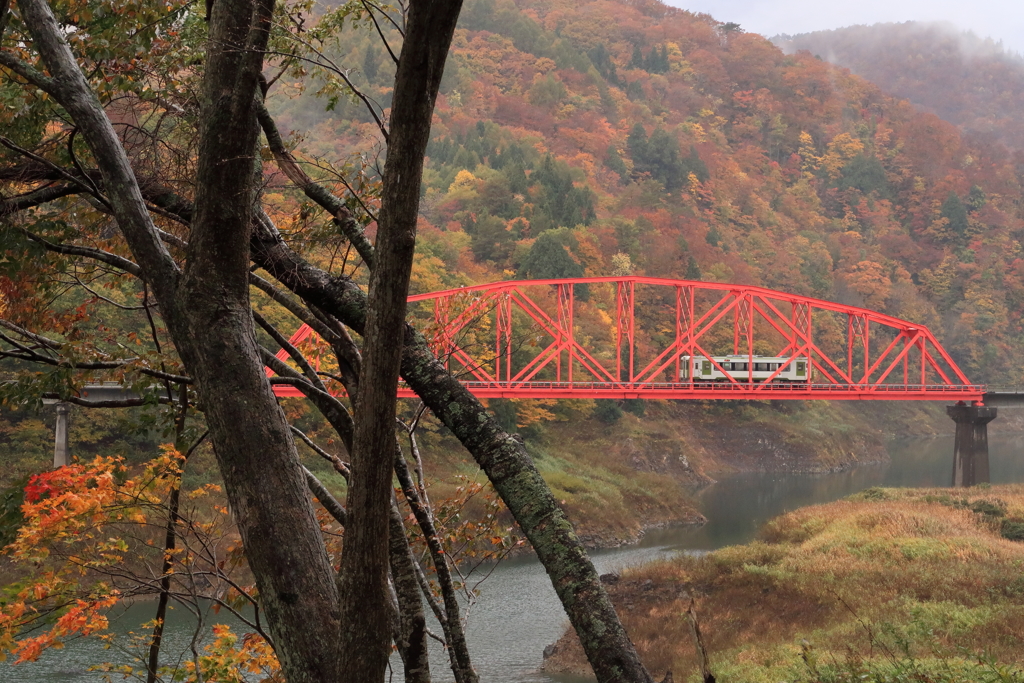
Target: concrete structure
[105,391]
[970,452]
[60,449]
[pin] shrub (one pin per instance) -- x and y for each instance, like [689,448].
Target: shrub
[1012,529]
[607,411]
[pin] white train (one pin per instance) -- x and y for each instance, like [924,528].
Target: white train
[701,369]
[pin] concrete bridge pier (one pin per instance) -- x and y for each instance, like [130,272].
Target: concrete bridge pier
[970,453]
[60,448]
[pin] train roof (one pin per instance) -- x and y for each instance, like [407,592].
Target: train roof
[746,357]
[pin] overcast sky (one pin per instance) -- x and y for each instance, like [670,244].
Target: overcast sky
[996,19]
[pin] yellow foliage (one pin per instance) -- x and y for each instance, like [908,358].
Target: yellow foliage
[532,411]
[622,265]
[427,274]
[544,65]
[676,62]
[810,161]
[463,180]
[842,148]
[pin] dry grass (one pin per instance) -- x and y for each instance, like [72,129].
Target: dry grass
[921,575]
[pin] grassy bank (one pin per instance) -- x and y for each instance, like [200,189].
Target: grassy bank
[891,584]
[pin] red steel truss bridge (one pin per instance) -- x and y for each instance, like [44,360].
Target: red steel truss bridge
[624,337]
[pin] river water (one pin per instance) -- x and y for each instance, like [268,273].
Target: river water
[516,614]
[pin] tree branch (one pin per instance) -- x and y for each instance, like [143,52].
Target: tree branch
[295,354]
[293,306]
[29,200]
[380,33]
[340,466]
[36,78]
[313,190]
[114,260]
[330,407]
[329,502]
[112,403]
[69,87]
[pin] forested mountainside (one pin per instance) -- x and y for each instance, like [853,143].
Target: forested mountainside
[598,137]
[971,82]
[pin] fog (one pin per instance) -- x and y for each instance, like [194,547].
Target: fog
[1001,20]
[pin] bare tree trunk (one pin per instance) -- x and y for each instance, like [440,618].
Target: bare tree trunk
[454,633]
[362,581]
[412,641]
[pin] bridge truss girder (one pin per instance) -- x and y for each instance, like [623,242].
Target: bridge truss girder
[521,339]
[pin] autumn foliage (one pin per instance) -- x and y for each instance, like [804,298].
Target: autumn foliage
[647,140]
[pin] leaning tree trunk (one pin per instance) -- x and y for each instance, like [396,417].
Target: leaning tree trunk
[502,457]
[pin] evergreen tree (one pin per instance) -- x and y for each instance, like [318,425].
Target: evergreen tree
[637,61]
[956,213]
[371,64]
[695,165]
[663,160]
[975,199]
[550,259]
[657,60]
[650,61]
[516,174]
[693,269]
[504,412]
[565,204]
[636,143]
[490,240]
[607,411]
[658,156]
[865,173]
[627,237]
[713,237]
[637,406]
[602,61]
[615,163]
[635,91]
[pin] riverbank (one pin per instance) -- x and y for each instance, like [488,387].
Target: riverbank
[618,480]
[885,578]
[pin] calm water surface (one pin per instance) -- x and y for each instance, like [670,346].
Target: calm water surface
[517,613]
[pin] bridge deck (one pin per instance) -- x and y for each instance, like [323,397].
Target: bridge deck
[722,390]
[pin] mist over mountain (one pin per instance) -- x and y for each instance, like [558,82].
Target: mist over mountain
[970,81]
